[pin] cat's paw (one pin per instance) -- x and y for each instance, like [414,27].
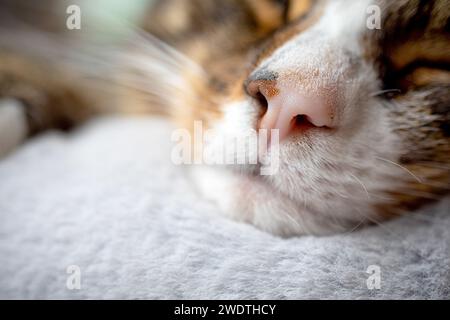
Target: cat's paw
[13,125]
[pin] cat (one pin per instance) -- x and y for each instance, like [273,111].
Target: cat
[361,103]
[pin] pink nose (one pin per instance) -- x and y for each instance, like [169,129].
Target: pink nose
[291,109]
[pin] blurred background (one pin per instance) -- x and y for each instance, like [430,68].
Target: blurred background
[44,63]
[98,18]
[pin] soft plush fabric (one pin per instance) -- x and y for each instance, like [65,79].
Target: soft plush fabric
[108,199]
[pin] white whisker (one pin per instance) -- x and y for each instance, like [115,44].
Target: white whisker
[400,166]
[362,184]
[378,93]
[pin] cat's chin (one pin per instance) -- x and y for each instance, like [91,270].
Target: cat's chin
[249,198]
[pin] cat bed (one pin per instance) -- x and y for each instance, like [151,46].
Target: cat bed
[103,213]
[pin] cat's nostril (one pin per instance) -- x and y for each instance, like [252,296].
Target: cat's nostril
[262,101]
[261,91]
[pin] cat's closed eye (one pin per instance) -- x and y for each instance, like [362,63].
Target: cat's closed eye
[412,60]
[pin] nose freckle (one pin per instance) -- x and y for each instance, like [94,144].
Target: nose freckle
[271,91]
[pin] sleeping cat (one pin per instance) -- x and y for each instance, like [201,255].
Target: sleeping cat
[362,110]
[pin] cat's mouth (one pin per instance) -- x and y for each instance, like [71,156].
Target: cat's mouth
[252,180]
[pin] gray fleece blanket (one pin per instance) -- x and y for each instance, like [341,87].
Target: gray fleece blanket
[103,213]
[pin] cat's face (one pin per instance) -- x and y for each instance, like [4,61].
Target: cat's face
[362,106]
